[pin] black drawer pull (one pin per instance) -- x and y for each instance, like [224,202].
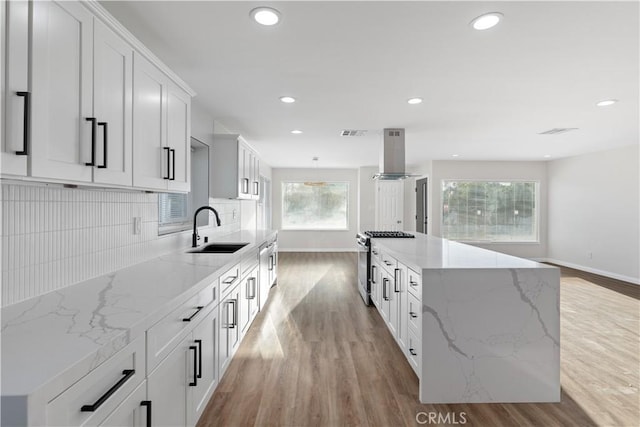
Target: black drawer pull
[384,289]
[188,319]
[373,274]
[147,403]
[413,315]
[229,280]
[413,353]
[25,123]
[199,342]
[104,145]
[195,365]
[128,373]
[396,280]
[414,284]
[168,163]
[93,141]
[173,167]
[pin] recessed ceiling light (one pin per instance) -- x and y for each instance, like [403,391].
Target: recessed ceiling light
[455,155]
[287,99]
[547,156]
[265,16]
[414,101]
[606,102]
[486,21]
[296,131]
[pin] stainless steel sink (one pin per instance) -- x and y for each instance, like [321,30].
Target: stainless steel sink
[219,248]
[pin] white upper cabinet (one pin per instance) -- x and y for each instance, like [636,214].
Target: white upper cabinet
[14,109]
[161,112]
[178,137]
[234,169]
[61,91]
[112,100]
[77,87]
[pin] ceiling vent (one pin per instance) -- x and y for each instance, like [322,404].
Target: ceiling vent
[557,131]
[353,132]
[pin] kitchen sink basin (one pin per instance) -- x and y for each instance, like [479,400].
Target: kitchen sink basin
[219,248]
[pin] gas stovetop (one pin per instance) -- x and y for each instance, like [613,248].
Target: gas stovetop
[389,235]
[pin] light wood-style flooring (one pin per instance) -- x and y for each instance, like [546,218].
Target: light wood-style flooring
[317,356]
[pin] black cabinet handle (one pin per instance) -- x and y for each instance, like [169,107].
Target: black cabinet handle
[396,280]
[256,188]
[93,141]
[168,163]
[195,366]
[188,319]
[373,274]
[147,403]
[104,144]
[413,284]
[413,315]
[226,281]
[25,123]
[233,322]
[199,342]
[413,353]
[384,289]
[173,163]
[128,373]
[270,262]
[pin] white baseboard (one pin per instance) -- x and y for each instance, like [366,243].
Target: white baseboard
[281,249]
[604,273]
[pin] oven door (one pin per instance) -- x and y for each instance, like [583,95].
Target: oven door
[364,261]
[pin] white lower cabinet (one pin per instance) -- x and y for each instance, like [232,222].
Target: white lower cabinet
[249,300]
[135,411]
[168,385]
[205,337]
[229,330]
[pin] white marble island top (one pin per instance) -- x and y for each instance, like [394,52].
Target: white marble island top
[60,336]
[429,252]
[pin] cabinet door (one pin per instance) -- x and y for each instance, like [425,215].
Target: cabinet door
[112,91]
[61,96]
[151,156]
[375,284]
[255,176]
[131,412]
[14,54]
[205,336]
[387,289]
[178,138]
[168,386]
[245,304]
[229,329]
[400,276]
[394,306]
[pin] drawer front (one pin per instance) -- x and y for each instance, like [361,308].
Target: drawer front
[415,284]
[414,312]
[101,391]
[413,351]
[229,279]
[389,263]
[165,335]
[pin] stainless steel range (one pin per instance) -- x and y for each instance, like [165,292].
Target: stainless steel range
[364,257]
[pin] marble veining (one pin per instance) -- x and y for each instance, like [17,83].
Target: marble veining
[68,332]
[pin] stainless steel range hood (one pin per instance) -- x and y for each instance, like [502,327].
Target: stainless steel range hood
[392,160]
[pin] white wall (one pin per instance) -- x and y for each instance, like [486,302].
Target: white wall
[594,210]
[53,237]
[482,170]
[294,240]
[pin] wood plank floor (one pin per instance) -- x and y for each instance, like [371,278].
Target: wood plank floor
[317,356]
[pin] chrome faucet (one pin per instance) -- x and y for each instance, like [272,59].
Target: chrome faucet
[195,237]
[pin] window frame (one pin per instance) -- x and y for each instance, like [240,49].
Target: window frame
[299,181]
[535,241]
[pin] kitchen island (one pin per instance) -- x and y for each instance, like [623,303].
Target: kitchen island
[476,325]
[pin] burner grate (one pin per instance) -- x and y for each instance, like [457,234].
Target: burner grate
[389,235]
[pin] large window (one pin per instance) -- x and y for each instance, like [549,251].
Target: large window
[315,205]
[490,211]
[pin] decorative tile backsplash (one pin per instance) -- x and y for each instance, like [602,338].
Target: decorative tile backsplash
[53,237]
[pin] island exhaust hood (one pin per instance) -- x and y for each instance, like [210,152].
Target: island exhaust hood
[392,166]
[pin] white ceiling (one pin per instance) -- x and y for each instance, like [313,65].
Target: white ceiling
[353,65]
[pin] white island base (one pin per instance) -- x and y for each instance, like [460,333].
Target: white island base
[490,335]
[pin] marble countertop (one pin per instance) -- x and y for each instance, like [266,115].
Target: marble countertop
[430,252]
[62,335]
